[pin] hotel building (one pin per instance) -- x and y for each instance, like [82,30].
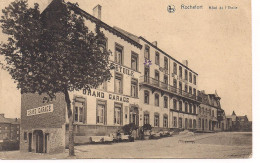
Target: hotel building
[148,86]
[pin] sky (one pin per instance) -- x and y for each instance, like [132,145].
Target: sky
[217,44]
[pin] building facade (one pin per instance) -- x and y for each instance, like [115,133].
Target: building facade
[9,128]
[148,86]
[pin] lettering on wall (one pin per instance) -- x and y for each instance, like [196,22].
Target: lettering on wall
[94,93]
[118,98]
[124,70]
[102,95]
[40,110]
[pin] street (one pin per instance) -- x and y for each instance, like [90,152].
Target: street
[207,145]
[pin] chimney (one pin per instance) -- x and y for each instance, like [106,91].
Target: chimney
[154,43]
[185,62]
[2,115]
[16,119]
[97,12]
[202,91]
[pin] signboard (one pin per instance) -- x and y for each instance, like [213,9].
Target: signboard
[40,110]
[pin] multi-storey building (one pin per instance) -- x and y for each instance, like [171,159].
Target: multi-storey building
[207,114]
[168,89]
[147,86]
[9,128]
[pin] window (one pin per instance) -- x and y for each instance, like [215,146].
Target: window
[199,110]
[101,112]
[25,136]
[118,114]
[146,97]
[146,118]
[134,88]
[165,121]
[186,107]
[186,123]
[194,91]
[156,120]
[180,122]
[156,99]
[180,85]
[190,123]
[180,105]
[134,61]
[209,112]
[118,83]
[199,123]
[190,108]
[119,54]
[194,109]
[78,115]
[165,79]
[180,72]
[165,102]
[165,63]
[175,83]
[103,86]
[175,68]
[157,58]
[186,88]
[175,104]
[190,77]
[212,113]
[186,74]
[194,79]
[194,124]
[174,122]
[147,52]
[157,75]
[190,90]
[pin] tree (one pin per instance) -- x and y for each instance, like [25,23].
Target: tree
[53,55]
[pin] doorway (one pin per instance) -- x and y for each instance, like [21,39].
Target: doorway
[134,116]
[39,141]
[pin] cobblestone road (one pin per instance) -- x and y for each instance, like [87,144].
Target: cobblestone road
[211,145]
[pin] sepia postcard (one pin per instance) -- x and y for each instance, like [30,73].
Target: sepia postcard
[83,79]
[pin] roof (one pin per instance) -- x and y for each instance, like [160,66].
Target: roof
[90,17]
[9,120]
[166,54]
[132,39]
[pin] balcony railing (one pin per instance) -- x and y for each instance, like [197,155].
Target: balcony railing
[164,86]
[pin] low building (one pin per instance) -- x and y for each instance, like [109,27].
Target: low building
[238,123]
[9,128]
[9,132]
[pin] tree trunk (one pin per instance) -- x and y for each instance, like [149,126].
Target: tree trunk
[71,127]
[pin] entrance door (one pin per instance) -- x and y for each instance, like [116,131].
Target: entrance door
[39,141]
[30,142]
[134,116]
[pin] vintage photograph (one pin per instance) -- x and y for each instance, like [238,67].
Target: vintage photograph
[83,79]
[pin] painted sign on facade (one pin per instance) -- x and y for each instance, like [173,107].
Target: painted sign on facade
[40,110]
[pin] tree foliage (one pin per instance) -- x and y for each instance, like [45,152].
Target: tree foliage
[48,59]
[53,52]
